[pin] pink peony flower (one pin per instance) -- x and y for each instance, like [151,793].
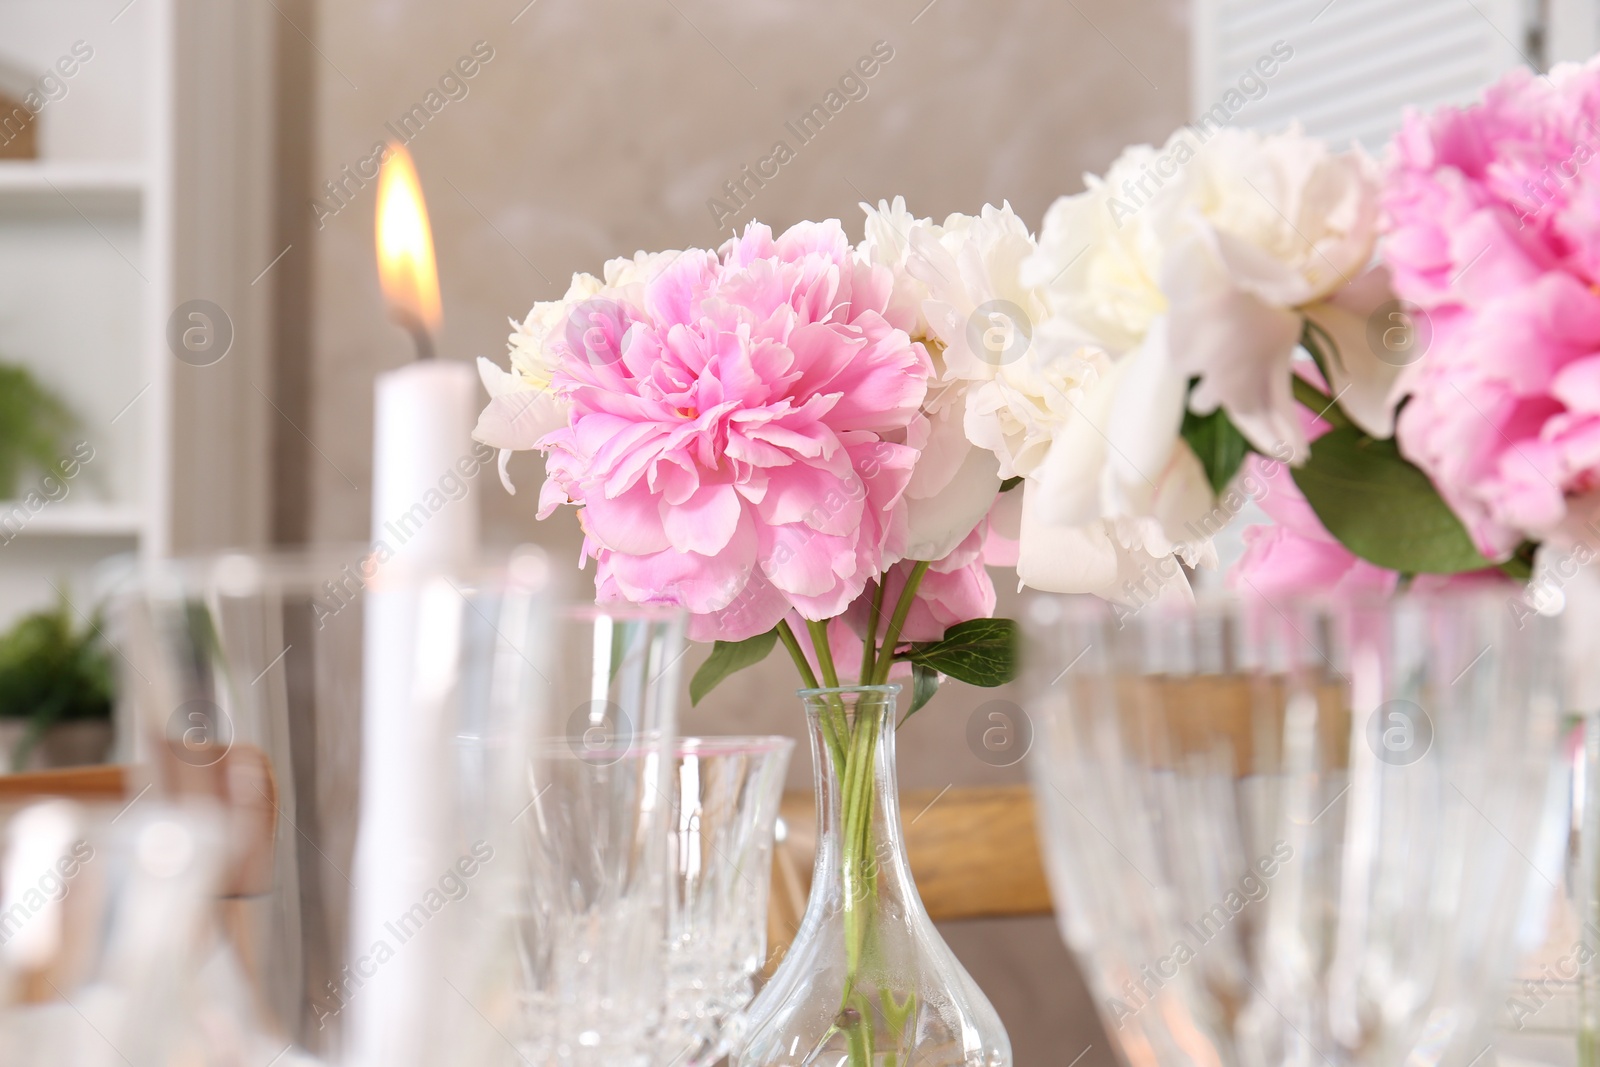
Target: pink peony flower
[1493,229]
[737,431]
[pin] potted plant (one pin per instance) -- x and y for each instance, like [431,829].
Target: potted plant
[56,691]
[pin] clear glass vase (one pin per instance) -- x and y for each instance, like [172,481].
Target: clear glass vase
[868,980]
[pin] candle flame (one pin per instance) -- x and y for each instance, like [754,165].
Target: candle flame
[406,265]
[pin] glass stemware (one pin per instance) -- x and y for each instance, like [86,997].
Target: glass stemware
[592,907]
[725,797]
[1295,834]
[364,727]
[111,948]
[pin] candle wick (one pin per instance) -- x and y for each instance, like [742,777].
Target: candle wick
[424,343]
[419,333]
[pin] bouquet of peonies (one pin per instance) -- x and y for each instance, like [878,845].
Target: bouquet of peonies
[800,439]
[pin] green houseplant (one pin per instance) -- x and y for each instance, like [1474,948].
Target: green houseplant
[52,672]
[34,424]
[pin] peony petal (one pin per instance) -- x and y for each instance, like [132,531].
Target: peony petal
[1061,558]
[504,467]
[1278,562]
[1238,346]
[1367,387]
[705,522]
[822,499]
[756,609]
[1577,385]
[1089,559]
[699,583]
[1143,422]
[804,563]
[628,523]
[496,382]
[936,524]
[520,420]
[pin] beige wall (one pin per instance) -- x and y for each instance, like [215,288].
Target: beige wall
[601,127]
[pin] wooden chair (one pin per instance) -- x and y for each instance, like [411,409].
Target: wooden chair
[974,853]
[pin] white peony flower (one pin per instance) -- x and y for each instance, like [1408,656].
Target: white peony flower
[984,320]
[523,407]
[1028,391]
[954,483]
[1230,244]
[1119,476]
[887,243]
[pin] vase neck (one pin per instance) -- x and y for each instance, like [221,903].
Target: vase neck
[852,747]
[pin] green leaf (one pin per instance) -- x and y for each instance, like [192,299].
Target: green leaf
[1218,444]
[1382,507]
[35,425]
[726,658]
[1520,565]
[1010,484]
[924,683]
[1318,403]
[978,652]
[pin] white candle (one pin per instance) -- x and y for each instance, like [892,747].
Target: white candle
[399,931]
[421,512]
[422,441]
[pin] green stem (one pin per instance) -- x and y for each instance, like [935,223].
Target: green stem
[856,792]
[830,732]
[868,647]
[860,1036]
[856,801]
[830,674]
[819,641]
[792,643]
[1318,402]
[897,622]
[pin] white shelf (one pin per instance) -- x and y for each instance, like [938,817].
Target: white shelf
[78,520]
[152,191]
[35,184]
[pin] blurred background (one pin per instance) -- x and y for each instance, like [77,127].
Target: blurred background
[190,316]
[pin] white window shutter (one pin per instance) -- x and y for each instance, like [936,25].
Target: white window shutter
[1355,64]
[1573,33]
